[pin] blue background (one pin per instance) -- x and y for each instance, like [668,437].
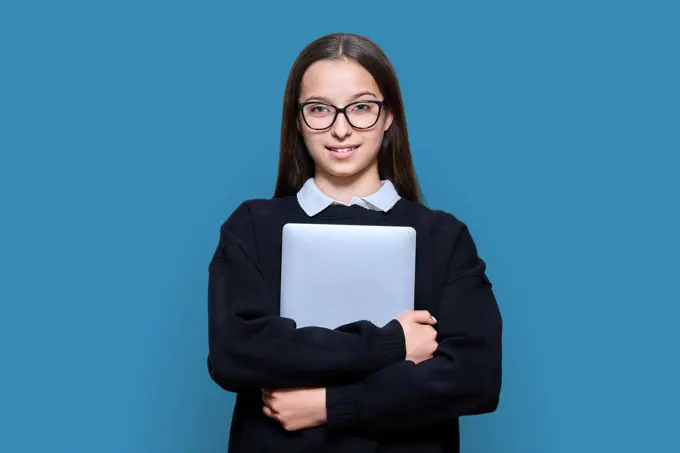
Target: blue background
[129,130]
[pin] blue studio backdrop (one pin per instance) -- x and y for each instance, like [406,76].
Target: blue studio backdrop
[130,130]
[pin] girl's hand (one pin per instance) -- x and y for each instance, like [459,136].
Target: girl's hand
[421,337]
[296,409]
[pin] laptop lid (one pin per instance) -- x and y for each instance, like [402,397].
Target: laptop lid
[332,275]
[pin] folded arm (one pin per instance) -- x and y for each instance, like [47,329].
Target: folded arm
[463,377]
[251,347]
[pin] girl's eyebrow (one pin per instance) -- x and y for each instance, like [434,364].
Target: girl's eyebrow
[328,101]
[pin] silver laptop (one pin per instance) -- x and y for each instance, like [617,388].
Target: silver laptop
[332,275]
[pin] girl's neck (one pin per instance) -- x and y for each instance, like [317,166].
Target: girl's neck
[344,188]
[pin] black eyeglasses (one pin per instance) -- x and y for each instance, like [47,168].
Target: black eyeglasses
[360,114]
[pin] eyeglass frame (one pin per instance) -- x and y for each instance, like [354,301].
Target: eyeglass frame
[342,110]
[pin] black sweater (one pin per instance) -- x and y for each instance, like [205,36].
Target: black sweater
[376,400]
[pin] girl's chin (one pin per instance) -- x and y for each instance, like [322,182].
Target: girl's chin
[344,170]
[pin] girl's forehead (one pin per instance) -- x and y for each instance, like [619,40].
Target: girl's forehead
[338,80]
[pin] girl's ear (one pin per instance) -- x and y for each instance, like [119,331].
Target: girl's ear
[388,120]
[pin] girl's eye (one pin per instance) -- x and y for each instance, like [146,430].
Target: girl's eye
[364,108]
[318,108]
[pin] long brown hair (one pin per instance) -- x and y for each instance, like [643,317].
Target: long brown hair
[394,159]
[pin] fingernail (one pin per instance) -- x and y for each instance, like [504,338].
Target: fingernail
[435,319]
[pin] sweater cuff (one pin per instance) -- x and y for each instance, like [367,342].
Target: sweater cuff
[342,406]
[391,343]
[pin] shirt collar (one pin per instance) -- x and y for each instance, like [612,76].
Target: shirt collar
[312,200]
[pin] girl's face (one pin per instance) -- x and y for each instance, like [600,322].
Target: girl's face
[342,149]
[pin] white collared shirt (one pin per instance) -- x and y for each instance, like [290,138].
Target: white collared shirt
[312,200]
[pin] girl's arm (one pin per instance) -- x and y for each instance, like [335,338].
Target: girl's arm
[251,347]
[463,377]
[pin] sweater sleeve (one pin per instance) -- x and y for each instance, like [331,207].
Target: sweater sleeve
[463,377]
[251,347]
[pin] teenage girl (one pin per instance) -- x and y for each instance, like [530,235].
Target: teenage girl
[345,159]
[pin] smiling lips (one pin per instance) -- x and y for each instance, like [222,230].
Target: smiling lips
[343,152]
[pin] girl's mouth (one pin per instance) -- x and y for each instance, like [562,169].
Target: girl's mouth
[342,152]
